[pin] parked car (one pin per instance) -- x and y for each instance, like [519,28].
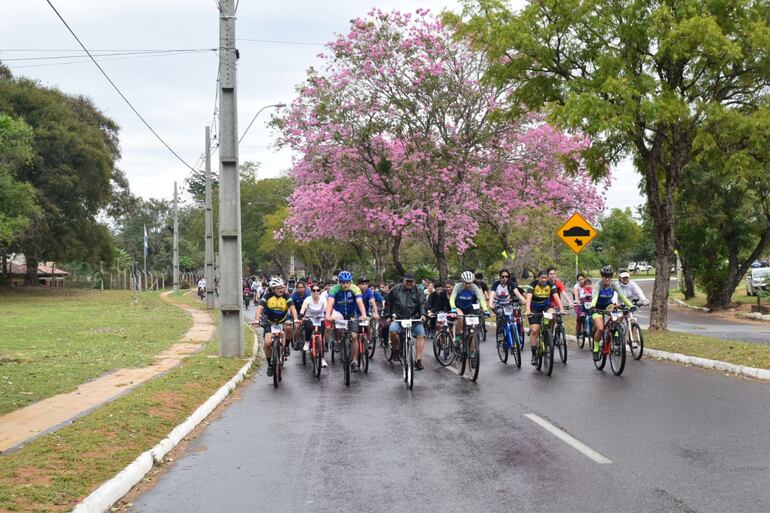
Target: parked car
[643,267]
[756,279]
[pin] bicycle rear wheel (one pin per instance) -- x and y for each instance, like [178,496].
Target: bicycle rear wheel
[502,346]
[442,348]
[548,353]
[561,340]
[617,351]
[636,342]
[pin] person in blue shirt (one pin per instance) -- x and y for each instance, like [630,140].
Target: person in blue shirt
[343,303]
[298,297]
[369,298]
[606,298]
[465,295]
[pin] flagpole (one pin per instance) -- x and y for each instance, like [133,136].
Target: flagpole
[145,250]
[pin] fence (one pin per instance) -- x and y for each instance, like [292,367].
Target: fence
[137,280]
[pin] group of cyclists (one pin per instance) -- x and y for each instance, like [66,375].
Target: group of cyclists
[302,305]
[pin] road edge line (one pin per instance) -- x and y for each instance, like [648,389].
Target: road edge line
[570,440]
[111,491]
[704,363]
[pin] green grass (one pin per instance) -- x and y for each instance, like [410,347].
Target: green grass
[51,341]
[54,472]
[700,298]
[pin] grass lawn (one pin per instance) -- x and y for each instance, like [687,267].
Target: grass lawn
[739,297]
[54,472]
[51,341]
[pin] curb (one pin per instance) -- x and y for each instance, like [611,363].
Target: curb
[755,316]
[682,303]
[110,492]
[704,363]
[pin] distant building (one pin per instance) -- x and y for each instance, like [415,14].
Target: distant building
[48,275]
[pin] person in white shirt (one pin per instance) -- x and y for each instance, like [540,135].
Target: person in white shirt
[313,307]
[631,289]
[202,288]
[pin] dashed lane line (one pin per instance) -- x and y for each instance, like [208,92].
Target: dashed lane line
[569,439]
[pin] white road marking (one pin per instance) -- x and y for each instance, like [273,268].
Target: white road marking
[566,437]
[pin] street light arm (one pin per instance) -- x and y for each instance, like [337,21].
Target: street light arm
[276,105]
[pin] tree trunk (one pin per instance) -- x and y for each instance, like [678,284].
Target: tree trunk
[688,288]
[395,249]
[735,272]
[31,278]
[660,201]
[441,263]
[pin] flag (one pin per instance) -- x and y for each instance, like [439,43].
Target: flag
[146,242]
[505,254]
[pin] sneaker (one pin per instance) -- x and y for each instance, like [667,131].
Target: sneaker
[597,356]
[306,347]
[269,371]
[396,355]
[418,365]
[534,358]
[323,363]
[354,366]
[287,351]
[336,348]
[458,342]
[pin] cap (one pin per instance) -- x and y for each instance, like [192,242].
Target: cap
[408,276]
[624,274]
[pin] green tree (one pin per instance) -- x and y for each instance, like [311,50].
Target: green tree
[619,237]
[641,77]
[724,204]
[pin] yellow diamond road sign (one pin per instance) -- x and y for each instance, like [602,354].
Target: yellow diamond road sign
[577,233]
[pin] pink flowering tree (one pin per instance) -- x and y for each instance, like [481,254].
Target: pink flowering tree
[396,139]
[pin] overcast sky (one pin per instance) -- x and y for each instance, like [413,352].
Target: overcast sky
[175,93]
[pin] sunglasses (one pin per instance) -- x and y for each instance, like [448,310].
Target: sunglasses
[316,290]
[504,276]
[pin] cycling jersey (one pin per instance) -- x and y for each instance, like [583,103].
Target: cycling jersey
[345,300]
[605,297]
[542,294]
[367,297]
[463,299]
[504,295]
[276,308]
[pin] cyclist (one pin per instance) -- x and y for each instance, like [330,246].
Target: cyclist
[504,292]
[559,286]
[344,300]
[202,288]
[405,301]
[542,296]
[478,280]
[605,298]
[313,308]
[464,295]
[368,296]
[630,289]
[298,298]
[276,304]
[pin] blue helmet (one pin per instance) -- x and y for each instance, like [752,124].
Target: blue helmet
[345,276]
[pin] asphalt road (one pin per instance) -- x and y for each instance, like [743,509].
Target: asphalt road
[679,440]
[701,323]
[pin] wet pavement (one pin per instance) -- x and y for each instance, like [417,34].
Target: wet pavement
[679,439]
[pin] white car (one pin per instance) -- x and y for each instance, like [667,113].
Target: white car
[643,267]
[757,278]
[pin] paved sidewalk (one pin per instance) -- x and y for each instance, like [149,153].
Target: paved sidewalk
[48,415]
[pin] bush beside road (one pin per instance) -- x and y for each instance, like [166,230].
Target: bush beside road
[51,341]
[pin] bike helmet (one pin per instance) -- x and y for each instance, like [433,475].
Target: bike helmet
[276,282]
[467,277]
[363,279]
[345,276]
[607,271]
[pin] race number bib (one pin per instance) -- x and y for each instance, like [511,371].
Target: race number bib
[441,317]
[364,323]
[615,315]
[316,322]
[548,315]
[341,324]
[508,310]
[276,328]
[473,321]
[406,324]
[476,306]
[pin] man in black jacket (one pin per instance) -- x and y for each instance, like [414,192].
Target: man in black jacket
[405,301]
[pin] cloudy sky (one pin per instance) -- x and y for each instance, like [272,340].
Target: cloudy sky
[175,93]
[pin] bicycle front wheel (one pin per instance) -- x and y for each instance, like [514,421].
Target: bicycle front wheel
[463,353]
[371,340]
[363,356]
[346,357]
[473,360]
[602,361]
[502,346]
[317,349]
[442,348]
[561,340]
[548,353]
[637,341]
[617,351]
[276,359]
[516,349]
[410,367]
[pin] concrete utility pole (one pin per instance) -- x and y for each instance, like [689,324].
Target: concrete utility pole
[230,326]
[176,244]
[209,229]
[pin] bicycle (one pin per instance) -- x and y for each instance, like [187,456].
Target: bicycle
[468,352]
[585,325]
[373,333]
[346,351]
[545,346]
[316,347]
[560,337]
[634,332]
[277,358]
[511,338]
[408,350]
[363,347]
[613,343]
[442,341]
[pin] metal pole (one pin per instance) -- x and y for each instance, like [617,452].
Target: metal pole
[209,269]
[230,326]
[176,244]
[101,275]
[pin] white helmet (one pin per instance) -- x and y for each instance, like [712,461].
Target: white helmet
[467,277]
[276,282]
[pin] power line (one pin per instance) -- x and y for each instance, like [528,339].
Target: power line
[138,52]
[81,61]
[272,41]
[117,89]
